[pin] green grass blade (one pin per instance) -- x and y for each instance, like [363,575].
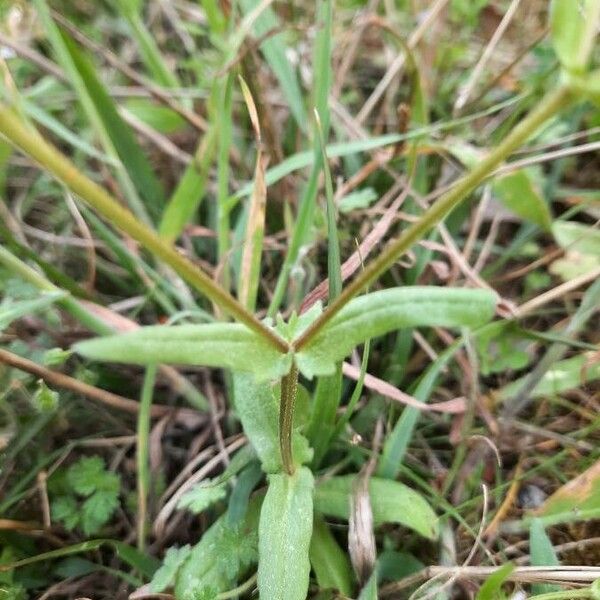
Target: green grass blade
[188,194]
[131,154]
[63,56]
[334,264]
[322,70]
[224,124]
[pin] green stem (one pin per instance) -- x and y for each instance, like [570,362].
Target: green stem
[32,144]
[143,466]
[289,391]
[551,104]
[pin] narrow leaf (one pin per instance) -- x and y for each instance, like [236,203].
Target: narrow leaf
[391,501]
[491,589]
[285,529]
[226,345]
[329,562]
[131,154]
[380,312]
[542,554]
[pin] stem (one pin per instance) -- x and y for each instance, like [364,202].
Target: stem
[552,103]
[32,144]
[289,391]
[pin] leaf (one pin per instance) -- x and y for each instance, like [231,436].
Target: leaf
[358,199]
[65,510]
[45,399]
[329,562]
[203,495]
[582,249]
[130,152]
[578,495]
[519,194]
[285,529]
[574,24]
[491,589]
[369,592]
[220,557]
[391,501]
[380,312]
[97,510]
[564,375]
[86,475]
[165,576]
[257,406]
[11,311]
[228,345]
[542,554]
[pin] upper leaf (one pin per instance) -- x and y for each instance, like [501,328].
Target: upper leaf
[574,24]
[380,312]
[228,345]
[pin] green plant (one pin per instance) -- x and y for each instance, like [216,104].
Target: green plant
[267,357]
[85,495]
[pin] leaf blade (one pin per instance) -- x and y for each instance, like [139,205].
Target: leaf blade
[285,528]
[392,502]
[374,314]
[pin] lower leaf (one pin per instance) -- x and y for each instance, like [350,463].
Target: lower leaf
[284,533]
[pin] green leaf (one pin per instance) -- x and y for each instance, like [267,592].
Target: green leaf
[131,154]
[65,510]
[564,375]
[223,554]
[86,475]
[582,249]
[97,510]
[165,576]
[380,312]
[203,495]
[520,195]
[227,345]
[542,554]
[358,199]
[285,529]
[329,562]
[369,592]
[491,589]
[574,25]
[11,311]
[45,399]
[571,501]
[257,406]
[392,502]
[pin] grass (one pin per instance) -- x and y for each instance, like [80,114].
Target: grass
[186,164]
